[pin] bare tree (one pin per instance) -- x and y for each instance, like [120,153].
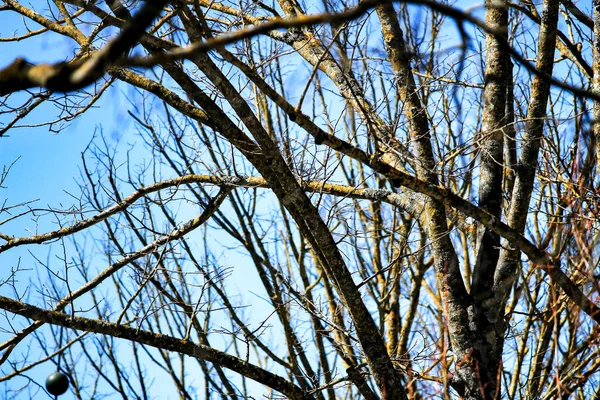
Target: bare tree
[371,200]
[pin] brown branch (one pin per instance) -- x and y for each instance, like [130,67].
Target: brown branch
[65,77]
[159,341]
[68,76]
[98,64]
[580,15]
[228,182]
[236,36]
[20,75]
[399,178]
[177,233]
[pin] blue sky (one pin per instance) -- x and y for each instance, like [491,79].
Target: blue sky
[46,167]
[48,163]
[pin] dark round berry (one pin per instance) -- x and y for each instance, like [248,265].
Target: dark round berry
[57,383]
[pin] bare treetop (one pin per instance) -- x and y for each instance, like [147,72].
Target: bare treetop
[322,200]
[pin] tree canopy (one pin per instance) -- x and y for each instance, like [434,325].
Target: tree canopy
[314,200]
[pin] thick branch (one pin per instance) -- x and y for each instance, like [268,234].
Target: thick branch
[399,178]
[61,76]
[159,341]
[65,77]
[528,157]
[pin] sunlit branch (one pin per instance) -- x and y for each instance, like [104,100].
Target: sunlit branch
[159,341]
[440,193]
[67,76]
[176,234]
[64,77]
[398,178]
[227,182]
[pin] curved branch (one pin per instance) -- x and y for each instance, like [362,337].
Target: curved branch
[159,341]
[65,77]
[401,179]
[228,182]
[86,223]
[192,224]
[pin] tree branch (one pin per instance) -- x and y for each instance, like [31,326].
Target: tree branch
[177,233]
[159,341]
